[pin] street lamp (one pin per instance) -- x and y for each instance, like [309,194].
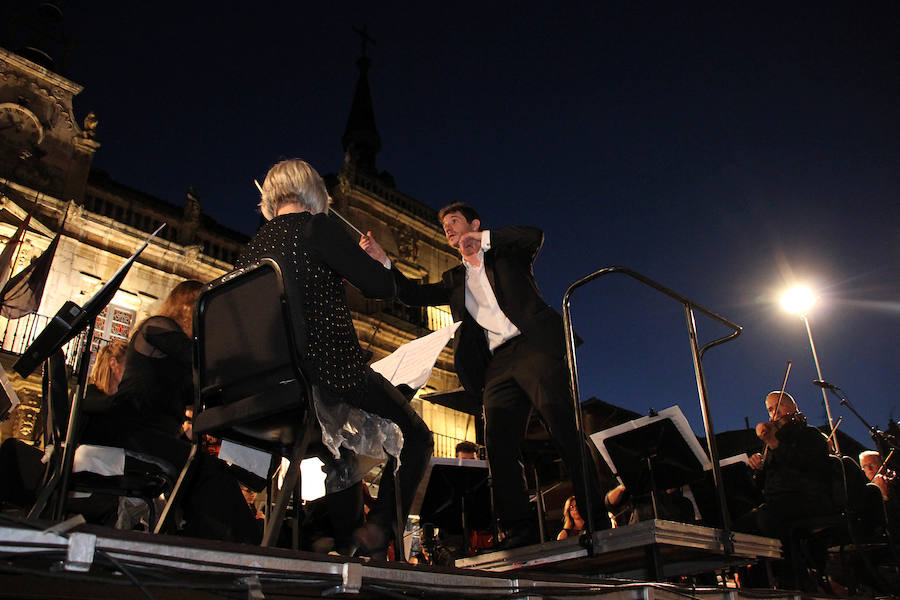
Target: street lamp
[798,300]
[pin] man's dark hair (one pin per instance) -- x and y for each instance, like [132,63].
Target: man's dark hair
[465,446]
[461,207]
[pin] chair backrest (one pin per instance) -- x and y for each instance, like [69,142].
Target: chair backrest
[246,341]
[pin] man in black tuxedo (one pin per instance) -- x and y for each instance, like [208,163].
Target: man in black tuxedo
[510,351]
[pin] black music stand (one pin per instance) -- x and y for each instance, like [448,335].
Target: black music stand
[68,322]
[456,497]
[653,453]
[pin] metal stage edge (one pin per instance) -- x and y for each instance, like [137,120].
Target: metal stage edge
[653,549]
[41,559]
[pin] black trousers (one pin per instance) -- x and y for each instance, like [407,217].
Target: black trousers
[519,378]
[384,400]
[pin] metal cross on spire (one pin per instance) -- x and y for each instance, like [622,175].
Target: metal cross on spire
[364,37]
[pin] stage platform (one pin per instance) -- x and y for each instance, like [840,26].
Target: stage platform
[95,562]
[650,550]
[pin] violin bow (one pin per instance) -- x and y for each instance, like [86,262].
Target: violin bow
[787,372]
[883,464]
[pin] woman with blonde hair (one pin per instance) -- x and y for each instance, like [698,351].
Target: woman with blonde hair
[109,365]
[103,382]
[573,524]
[317,256]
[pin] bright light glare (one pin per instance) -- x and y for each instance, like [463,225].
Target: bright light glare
[798,299]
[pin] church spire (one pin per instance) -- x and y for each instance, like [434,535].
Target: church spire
[361,141]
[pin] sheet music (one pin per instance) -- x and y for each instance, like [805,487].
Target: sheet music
[733,460]
[412,362]
[672,413]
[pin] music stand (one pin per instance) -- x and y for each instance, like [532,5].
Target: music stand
[454,495]
[657,452]
[68,322]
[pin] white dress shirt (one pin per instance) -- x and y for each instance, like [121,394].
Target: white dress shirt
[481,302]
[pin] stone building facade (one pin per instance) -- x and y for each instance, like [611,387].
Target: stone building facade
[45,168]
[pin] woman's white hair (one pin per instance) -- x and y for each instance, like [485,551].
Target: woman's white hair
[291,181]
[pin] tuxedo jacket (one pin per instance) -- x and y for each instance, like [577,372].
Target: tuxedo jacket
[509,268]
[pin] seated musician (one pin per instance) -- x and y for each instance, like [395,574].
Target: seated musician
[317,255]
[148,410]
[872,466]
[106,374]
[795,473]
[885,480]
[21,466]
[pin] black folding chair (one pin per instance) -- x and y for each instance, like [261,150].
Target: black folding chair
[248,376]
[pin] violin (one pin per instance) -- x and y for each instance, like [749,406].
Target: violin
[772,426]
[767,431]
[793,418]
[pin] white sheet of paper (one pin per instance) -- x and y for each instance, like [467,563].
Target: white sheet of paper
[251,459]
[101,460]
[412,362]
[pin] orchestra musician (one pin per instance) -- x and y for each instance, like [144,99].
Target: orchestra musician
[317,256]
[795,473]
[873,466]
[885,480]
[510,353]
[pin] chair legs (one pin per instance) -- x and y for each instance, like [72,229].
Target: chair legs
[400,524]
[178,490]
[273,520]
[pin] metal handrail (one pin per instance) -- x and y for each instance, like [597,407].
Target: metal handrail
[697,353]
[17,335]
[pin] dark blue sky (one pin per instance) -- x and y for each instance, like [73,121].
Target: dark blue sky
[724,149]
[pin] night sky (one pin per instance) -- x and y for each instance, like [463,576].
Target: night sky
[724,149]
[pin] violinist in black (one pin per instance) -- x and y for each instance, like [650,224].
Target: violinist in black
[795,473]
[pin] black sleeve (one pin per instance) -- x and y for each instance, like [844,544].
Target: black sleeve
[803,447]
[164,336]
[350,261]
[417,294]
[523,240]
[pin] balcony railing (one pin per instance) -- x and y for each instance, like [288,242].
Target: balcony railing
[17,335]
[445,445]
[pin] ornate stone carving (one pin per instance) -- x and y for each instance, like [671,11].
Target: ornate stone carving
[407,242]
[193,252]
[27,415]
[90,126]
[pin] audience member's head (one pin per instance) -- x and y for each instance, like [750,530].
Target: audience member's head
[465,449]
[109,364]
[571,517]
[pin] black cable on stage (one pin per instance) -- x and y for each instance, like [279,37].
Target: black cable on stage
[126,572]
